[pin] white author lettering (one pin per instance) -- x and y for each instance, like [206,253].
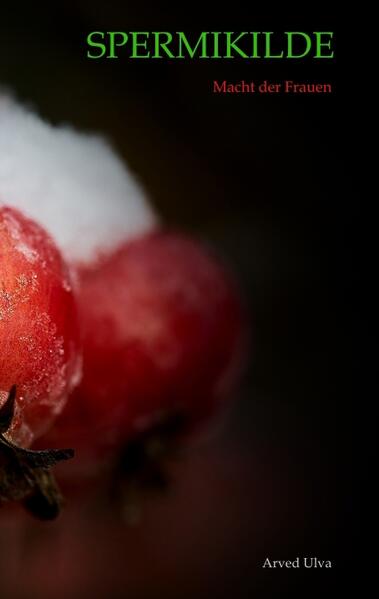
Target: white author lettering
[304,562]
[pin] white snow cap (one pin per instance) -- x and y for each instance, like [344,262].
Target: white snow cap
[72,183]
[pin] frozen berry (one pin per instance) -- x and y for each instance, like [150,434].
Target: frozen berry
[39,335]
[163,336]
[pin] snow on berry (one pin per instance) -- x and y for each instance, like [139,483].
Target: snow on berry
[39,333]
[161,318]
[73,184]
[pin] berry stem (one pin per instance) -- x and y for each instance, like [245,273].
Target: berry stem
[25,474]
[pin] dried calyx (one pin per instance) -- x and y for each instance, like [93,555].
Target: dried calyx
[25,475]
[143,464]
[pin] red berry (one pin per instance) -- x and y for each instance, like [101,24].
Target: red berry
[39,341]
[163,333]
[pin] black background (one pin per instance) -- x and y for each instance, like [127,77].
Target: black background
[263,178]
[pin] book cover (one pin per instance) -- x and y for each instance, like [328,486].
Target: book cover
[173,268]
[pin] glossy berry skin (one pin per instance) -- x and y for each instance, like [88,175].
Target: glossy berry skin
[163,333]
[39,333]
